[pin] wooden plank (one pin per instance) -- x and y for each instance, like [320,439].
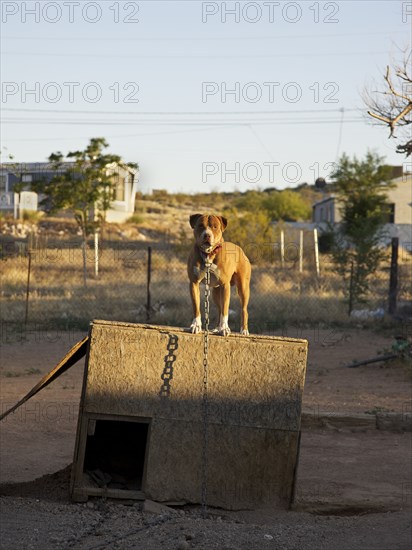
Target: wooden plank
[81,494]
[75,354]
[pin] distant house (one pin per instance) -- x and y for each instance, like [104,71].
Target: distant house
[327,211]
[11,174]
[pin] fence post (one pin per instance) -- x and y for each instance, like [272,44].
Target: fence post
[351,289]
[28,288]
[301,251]
[393,279]
[96,254]
[316,245]
[84,245]
[149,276]
[282,248]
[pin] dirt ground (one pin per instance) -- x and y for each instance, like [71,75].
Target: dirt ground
[354,486]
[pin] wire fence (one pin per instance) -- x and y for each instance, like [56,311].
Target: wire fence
[43,284]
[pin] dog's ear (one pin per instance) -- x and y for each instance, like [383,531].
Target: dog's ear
[193,219]
[223,221]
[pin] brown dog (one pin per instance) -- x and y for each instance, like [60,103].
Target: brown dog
[228,266]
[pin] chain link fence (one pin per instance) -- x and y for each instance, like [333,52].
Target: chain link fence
[43,284]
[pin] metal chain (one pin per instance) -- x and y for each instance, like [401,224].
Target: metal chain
[205,401]
[170,358]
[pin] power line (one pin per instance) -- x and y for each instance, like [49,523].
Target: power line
[179,123]
[194,128]
[260,141]
[142,134]
[199,38]
[179,113]
[196,56]
[342,120]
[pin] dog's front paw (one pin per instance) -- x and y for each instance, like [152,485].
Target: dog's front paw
[224,329]
[244,332]
[196,325]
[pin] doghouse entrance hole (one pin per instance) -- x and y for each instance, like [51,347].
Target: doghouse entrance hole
[115,453]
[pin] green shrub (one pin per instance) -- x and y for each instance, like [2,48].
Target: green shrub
[253,232]
[136,218]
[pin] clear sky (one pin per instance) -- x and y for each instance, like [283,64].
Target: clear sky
[205,96]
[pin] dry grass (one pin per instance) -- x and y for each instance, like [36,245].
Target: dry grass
[59,297]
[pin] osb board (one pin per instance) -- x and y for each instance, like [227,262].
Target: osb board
[253,381]
[247,467]
[255,387]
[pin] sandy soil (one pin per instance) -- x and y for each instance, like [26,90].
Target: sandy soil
[354,485]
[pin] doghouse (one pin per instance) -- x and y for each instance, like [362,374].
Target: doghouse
[142,423]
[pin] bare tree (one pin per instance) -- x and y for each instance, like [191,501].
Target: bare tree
[393,106]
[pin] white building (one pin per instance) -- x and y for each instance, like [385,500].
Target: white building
[11,174]
[327,211]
